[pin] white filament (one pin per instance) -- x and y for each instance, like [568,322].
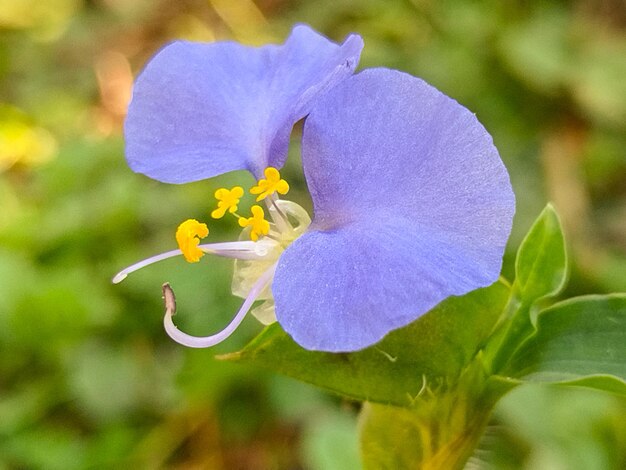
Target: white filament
[247,250]
[279,218]
[207,341]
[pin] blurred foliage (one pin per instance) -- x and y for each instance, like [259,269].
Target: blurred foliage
[88,378]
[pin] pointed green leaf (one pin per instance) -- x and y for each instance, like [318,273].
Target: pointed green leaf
[541,271]
[428,353]
[541,263]
[581,341]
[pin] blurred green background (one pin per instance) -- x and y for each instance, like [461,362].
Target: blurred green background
[88,378]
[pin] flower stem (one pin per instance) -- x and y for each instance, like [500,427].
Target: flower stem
[441,430]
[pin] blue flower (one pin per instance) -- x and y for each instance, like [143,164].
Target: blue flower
[412,203]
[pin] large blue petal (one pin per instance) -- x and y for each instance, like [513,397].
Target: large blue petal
[412,204]
[200,110]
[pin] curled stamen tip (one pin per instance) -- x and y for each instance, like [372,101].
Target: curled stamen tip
[169,299]
[119,277]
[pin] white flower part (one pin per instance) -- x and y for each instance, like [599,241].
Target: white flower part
[207,341]
[247,250]
[290,222]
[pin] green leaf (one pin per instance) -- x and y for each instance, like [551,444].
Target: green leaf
[581,341]
[541,263]
[427,354]
[541,271]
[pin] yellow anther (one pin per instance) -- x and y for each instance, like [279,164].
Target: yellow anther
[188,237]
[271,184]
[228,201]
[260,226]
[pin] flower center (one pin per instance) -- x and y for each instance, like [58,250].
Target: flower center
[256,254]
[290,221]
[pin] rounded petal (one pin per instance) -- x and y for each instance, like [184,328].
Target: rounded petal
[412,204]
[200,110]
[343,290]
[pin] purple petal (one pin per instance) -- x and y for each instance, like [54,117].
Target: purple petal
[200,110]
[412,205]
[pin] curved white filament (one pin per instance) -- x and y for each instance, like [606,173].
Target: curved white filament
[207,341]
[240,250]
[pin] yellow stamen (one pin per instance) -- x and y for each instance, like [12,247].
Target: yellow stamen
[260,226]
[228,201]
[188,237]
[271,184]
